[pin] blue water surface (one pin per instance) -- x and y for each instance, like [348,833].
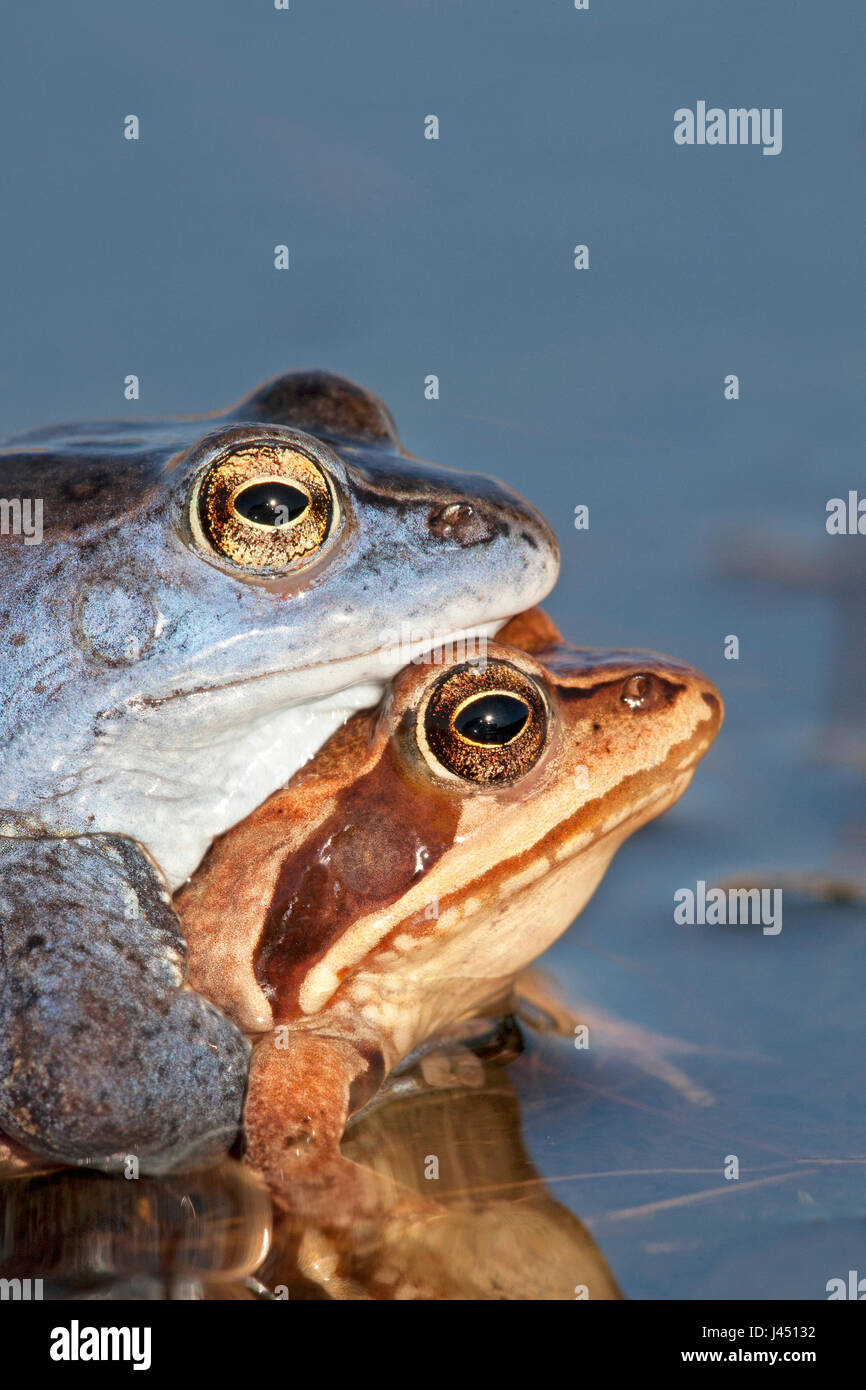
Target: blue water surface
[601,387]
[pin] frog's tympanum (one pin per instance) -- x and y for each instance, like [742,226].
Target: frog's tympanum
[210,597]
[435,846]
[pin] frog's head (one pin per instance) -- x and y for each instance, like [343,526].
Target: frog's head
[440,843]
[210,597]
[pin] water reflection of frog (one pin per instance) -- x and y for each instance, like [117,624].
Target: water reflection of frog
[486,1228]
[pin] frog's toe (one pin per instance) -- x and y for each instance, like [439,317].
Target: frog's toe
[105,1056]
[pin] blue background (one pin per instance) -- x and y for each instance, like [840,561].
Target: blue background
[602,387]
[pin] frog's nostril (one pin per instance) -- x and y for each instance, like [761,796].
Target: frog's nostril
[464,523]
[636,691]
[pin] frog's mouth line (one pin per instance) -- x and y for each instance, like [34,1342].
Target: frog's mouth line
[555,853]
[412,652]
[564,844]
[655,802]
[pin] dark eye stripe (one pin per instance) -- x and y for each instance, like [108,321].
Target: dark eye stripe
[494,719]
[271,503]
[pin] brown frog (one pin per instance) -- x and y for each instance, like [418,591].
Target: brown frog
[435,846]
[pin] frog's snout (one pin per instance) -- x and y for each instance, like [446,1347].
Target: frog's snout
[644,691]
[477,523]
[504,518]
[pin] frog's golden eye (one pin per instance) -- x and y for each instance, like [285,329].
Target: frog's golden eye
[485,722]
[266,508]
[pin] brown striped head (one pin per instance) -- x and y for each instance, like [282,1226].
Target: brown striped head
[439,843]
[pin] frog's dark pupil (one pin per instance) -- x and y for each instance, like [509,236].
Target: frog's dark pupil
[271,504]
[493,719]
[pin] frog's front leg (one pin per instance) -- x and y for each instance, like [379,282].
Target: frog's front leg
[298,1102]
[302,1088]
[105,1054]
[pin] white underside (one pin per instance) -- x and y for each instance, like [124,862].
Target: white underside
[197,780]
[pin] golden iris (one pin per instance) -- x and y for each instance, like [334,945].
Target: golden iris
[486,722]
[266,508]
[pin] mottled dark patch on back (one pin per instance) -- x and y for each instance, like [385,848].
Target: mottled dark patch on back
[321,404]
[383,835]
[78,491]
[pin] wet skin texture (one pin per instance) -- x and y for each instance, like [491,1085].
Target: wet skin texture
[381,897]
[139,659]
[103,1051]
